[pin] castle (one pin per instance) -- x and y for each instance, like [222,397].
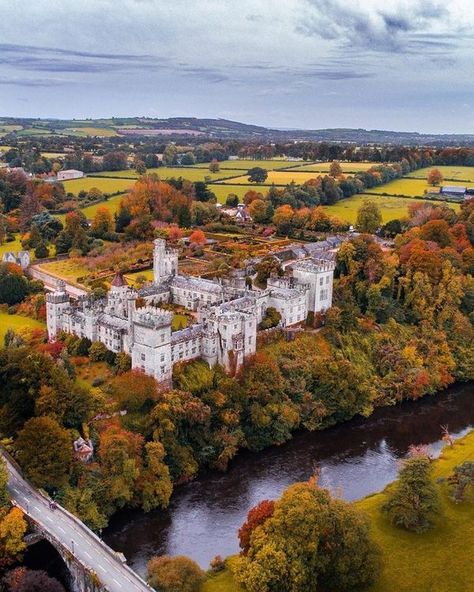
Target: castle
[226,314]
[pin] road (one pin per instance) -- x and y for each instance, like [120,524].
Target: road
[74,536]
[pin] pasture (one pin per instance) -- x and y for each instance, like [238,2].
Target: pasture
[222,191]
[111,204]
[408,187]
[279,178]
[18,323]
[245,164]
[191,174]
[456,173]
[105,184]
[89,131]
[347,167]
[391,208]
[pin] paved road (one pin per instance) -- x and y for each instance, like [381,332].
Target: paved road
[74,536]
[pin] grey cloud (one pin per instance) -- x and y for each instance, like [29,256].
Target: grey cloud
[30,82]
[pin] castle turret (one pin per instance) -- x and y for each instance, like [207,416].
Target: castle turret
[57,303]
[165,261]
[318,274]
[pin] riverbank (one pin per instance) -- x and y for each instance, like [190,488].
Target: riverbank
[436,561]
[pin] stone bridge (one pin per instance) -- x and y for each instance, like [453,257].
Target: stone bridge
[92,565]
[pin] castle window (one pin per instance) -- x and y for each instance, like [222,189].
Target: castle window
[320,281]
[143,357]
[327,279]
[162,359]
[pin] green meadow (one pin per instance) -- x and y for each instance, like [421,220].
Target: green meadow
[245,164]
[439,560]
[222,191]
[112,204]
[347,167]
[456,173]
[17,323]
[105,184]
[191,174]
[409,187]
[391,208]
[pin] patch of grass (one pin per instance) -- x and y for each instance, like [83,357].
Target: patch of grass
[245,165]
[112,204]
[279,178]
[222,581]
[191,174]
[18,323]
[67,269]
[222,191]
[131,277]
[347,167]
[408,187]
[180,321]
[90,131]
[461,173]
[105,184]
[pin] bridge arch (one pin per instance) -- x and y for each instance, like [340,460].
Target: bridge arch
[41,554]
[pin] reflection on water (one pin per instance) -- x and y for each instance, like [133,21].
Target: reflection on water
[355,459]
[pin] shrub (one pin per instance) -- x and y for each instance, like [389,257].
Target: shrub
[174,574]
[97,352]
[462,481]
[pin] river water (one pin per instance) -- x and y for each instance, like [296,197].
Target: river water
[355,458]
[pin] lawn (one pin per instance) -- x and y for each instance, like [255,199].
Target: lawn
[347,167]
[180,321]
[112,204]
[105,184]
[131,277]
[90,131]
[390,207]
[17,323]
[279,178]
[245,165]
[457,173]
[408,187]
[439,560]
[67,269]
[191,174]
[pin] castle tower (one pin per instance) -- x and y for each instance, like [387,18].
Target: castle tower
[117,296]
[57,304]
[319,276]
[165,261]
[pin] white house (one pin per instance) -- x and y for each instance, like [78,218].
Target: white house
[69,174]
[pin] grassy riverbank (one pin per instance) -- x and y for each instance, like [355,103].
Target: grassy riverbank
[439,560]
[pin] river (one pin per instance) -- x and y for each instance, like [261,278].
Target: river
[355,458]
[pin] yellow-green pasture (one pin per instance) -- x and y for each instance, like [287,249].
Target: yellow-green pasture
[105,184]
[53,155]
[391,208]
[222,191]
[458,173]
[279,178]
[18,323]
[66,269]
[14,246]
[90,131]
[439,560]
[245,164]
[132,277]
[347,167]
[111,204]
[408,187]
[191,174]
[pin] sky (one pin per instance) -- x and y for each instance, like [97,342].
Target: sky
[376,64]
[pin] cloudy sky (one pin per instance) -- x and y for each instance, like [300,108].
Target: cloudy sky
[391,64]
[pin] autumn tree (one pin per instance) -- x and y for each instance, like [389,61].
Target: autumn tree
[134,390]
[4,495]
[44,450]
[369,217]
[214,166]
[413,502]
[13,527]
[36,581]
[335,169]
[265,268]
[255,517]
[435,177]
[260,211]
[310,541]
[197,238]
[174,574]
[155,481]
[102,222]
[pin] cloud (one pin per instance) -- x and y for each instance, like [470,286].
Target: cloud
[29,82]
[370,24]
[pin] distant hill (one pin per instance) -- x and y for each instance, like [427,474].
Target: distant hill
[186,127]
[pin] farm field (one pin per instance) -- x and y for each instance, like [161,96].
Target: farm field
[347,167]
[89,131]
[17,323]
[278,177]
[112,204]
[408,558]
[245,165]
[222,191]
[105,184]
[408,187]
[53,155]
[391,208]
[458,173]
[191,174]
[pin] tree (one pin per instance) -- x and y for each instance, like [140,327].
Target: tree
[197,238]
[41,251]
[13,527]
[44,451]
[255,517]
[257,175]
[232,200]
[174,574]
[156,486]
[267,266]
[133,390]
[271,319]
[36,581]
[102,222]
[115,161]
[335,170]
[435,177]
[13,284]
[4,495]
[214,166]
[188,159]
[461,481]
[260,211]
[170,155]
[369,217]
[413,503]
[310,542]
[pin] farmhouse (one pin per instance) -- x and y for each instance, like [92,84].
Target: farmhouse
[227,313]
[22,258]
[69,174]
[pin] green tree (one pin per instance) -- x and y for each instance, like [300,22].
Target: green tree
[310,542]
[369,217]
[174,574]
[41,251]
[13,284]
[4,495]
[257,175]
[413,503]
[156,488]
[44,450]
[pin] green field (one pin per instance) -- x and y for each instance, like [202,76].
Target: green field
[67,269]
[191,174]
[439,560]
[245,165]
[131,277]
[11,246]
[105,184]
[17,323]
[347,167]
[89,131]
[458,173]
[278,177]
[112,204]
[408,187]
[390,207]
[222,191]
[53,155]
